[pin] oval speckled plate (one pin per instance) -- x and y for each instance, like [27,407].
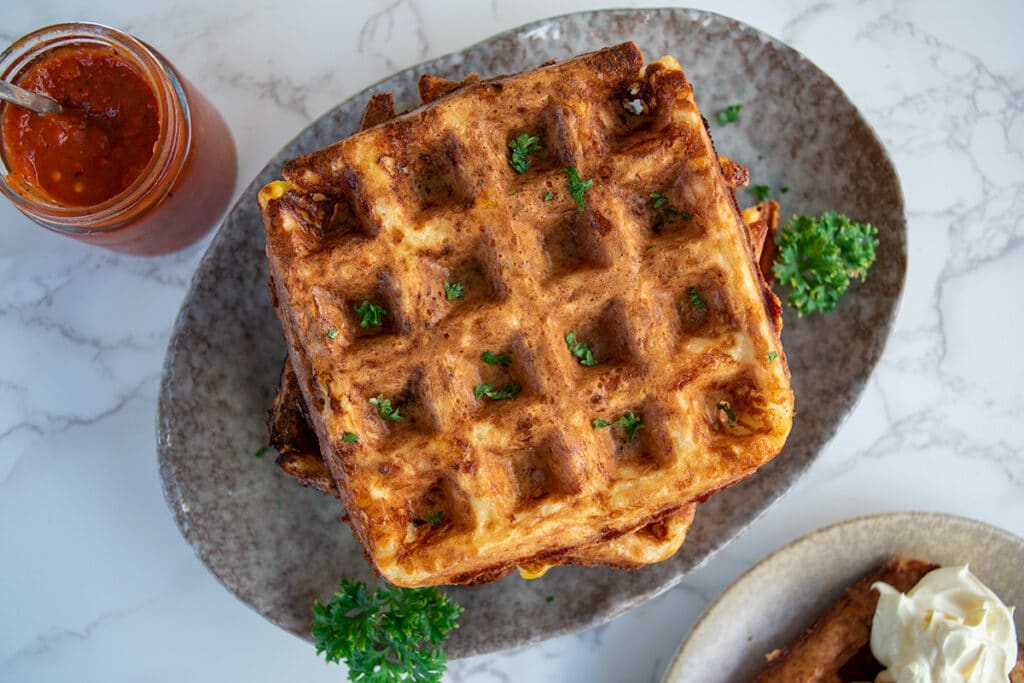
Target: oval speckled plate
[786,592]
[279,547]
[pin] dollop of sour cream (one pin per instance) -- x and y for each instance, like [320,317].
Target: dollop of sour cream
[949,628]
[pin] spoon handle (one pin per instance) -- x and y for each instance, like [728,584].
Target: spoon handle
[40,104]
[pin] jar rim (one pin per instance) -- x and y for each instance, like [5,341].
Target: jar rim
[174,131]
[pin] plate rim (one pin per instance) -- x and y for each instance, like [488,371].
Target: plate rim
[171,487]
[673,671]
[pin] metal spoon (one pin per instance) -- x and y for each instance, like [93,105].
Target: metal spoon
[40,104]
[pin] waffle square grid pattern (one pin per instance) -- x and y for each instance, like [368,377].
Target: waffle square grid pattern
[468,484]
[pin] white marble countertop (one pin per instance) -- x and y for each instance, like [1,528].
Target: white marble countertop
[97,583]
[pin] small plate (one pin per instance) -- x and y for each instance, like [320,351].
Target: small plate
[782,595]
[279,547]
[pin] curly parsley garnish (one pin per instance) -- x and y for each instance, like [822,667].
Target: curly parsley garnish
[454,290]
[730,114]
[370,314]
[521,147]
[818,256]
[387,636]
[630,422]
[495,359]
[580,350]
[576,186]
[510,390]
[385,409]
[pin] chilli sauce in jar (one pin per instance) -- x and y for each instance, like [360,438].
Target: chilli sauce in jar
[138,161]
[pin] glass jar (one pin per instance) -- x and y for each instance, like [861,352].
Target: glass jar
[183,189]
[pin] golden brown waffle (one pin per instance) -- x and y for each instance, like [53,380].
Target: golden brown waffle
[299,452]
[391,214]
[836,649]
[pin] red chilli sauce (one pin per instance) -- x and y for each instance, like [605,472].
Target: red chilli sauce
[102,141]
[138,161]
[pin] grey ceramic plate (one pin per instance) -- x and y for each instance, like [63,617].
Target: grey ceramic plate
[786,592]
[279,547]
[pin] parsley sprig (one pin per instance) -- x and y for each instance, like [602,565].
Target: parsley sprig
[510,390]
[818,256]
[576,186]
[630,422]
[385,409]
[495,359]
[730,114]
[522,146]
[454,290]
[387,636]
[370,314]
[580,350]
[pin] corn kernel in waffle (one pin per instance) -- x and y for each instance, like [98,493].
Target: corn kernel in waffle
[402,255]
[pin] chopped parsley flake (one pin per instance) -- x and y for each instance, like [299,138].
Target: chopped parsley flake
[576,186]
[784,189]
[349,437]
[510,390]
[580,350]
[332,333]
[695,298]
[548,196]
[660,201]
[263,451]
[435,518]
[370,314]
[454,290]
[384,409]
[729,413]
[730,114]
[521,147]
[630,422]
[495,359]
[760,192]
[771,355]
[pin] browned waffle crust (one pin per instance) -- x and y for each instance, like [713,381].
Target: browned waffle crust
[390,214]
[836,649]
